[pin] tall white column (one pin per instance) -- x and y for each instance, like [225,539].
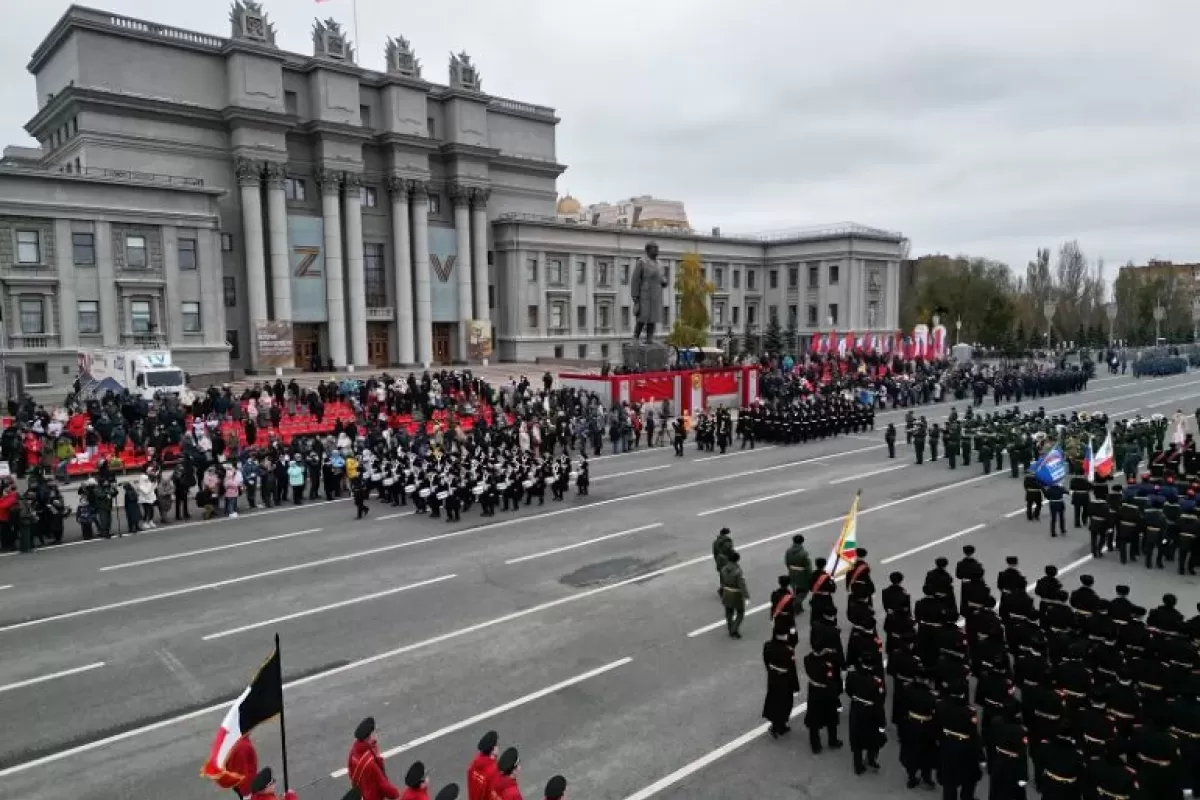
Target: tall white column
[110,325]
[479,244]
[335,300]
[277,242]
[249,175]
[460,196]
[354,267]
[68,302]
[424,306]
[173,329]
[402,258]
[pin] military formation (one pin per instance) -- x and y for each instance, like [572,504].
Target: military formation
[817,417]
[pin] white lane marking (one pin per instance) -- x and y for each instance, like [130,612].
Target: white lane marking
[393,516]
[6,586]
[308,612]
[715,625]
[862,475]
[738,453]
[1126,412]
[65,673]
[1166,402]
[934,543]
[497,711]
[1016,513]
[206,550]
[577,545]
[1076,564]
[745,503]
[862,438]
[663,449]
[599,478]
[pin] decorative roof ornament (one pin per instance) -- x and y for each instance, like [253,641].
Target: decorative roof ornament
[464,74]
[400,58]
[249,21]
[329,41]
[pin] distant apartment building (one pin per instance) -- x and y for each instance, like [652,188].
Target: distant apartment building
[643,213]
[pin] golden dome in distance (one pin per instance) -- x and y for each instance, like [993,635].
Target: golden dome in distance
[569,205]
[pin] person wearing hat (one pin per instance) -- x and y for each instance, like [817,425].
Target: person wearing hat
[556,788]
[263,787]
[734,593]
[780,662]
[367,773]
[483,768]
[799,566]
[416,782]
[860,573]
[782,599]
[508,768]
[722,546]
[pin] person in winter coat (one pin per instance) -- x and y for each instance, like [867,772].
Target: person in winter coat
[147,499]
[133,512]
[233,488]
[166,495]
[295,473]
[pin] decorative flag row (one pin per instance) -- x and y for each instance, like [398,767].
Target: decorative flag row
[921,343]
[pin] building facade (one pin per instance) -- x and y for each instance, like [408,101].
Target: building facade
[644,211]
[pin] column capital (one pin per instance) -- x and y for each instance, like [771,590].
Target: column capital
[328,180]
[352,182]
[479,197]
[248,171]
[419,189]
[460,194]
[398,188]
[275,173]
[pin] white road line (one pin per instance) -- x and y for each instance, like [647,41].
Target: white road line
[497,711]
[206,550]
[639,452]
[850,478]
[715,625]
[934,543]
[6,586]
[321,609]
[393,516]
[1125,412]
[66,672]
[745,503]
[577,545]
[1016,513]
[1164,403]
[738,453]
[1076,564]
[599,478]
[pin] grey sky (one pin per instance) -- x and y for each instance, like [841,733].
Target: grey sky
[985,128]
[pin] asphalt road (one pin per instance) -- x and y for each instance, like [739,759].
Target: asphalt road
[588,632]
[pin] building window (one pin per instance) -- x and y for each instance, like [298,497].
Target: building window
[581,273]
[368,197]
[531,316]
[833,314]
[667,274]
[773,314]
[83,249]
[793,316]
[603,273]
[29,247]
[554,272]
[558,351]
[139,316]
[531,270]
[812,315]
[751,280]
[814,276]
[374,275]
[604,351]
[737,279]
[834,274]
[624,318]
[33,315]
[556,317]
[135,252]
[191,317]
[719,277]
[226,242]
[88,314]
[718,314]
[229,290]
[872,314]
[431,126]
[773,278]
[625,274]
[435,204]
[295,189]
[583,351]
[667,316]
[291,103]
[78,166]
[491,296]
[752,315]
[231,339]
[604,317]
[793,277]
[37,372]
[364,116]
[581,317]
[736,317]
[187,253]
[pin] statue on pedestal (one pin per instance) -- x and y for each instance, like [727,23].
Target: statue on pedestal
[646,290]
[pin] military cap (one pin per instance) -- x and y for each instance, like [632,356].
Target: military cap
[1122,590]
[735,556]
[798,539]
[1087,580]
[860,552]
[1169,600]
[262,780]
[365,729]
[896,577]
[1051,571]
[725,532]
[415,775]
[508,761]
[969,550]
[448,792]
[556,788]
[488,743]
[1011,561]
[942,563]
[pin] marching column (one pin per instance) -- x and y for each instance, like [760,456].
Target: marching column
[479,267]
[281,271]
[424,306]
[354,266]
[460,196]
[249,174]
[402,257]
[335,302]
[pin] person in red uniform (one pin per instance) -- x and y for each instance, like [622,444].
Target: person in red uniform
[504,787]
[366,765]
[483,768]
[416,782]
[556,788]
[263,787]
[243,761]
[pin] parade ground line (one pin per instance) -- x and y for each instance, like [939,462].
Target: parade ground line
[497,711]
[206,550]
[862,475]
[751,502]
[577,545]
[934,543]
[52,676]
[630,472]
[749,452]
[308,612]
[6,586]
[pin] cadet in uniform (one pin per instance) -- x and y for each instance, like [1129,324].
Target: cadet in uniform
[734,594]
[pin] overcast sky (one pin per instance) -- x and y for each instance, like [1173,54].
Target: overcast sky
[984,128]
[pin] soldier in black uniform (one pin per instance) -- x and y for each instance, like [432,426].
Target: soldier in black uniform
[1080,489]
[1033,497]
[1058,508]
[868,718]
[919,734]
[889,438]
[1060,768]
[961,749]
[824,697]
[1099,519]
[1008,758]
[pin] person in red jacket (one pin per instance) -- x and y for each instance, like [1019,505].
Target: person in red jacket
[556,788]
[508,767]
[416,781]
[263,787]
[366,765]
[483,768]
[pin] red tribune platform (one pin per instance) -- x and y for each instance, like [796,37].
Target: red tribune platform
[690,390]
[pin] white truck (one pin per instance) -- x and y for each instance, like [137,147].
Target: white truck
[143,372]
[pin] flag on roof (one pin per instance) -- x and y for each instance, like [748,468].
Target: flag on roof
[842,559]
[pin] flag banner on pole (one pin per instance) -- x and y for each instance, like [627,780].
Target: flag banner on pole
[261,701]
[842,559]
[1179,435]
[1051,468]
[1100,463]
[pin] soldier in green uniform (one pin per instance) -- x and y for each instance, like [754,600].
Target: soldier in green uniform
[734,593]
[935,439]
[721,548]
[966,446]
[799,566]
[889,437]
[918,441]
[985,452]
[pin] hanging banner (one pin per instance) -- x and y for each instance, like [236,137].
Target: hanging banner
[479,339]
[652,390]
[273,338]
[306,249]
[720,383]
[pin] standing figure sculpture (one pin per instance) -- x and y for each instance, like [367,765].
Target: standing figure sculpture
[646,290]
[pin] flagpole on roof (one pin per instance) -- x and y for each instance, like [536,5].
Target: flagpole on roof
[282,726]
[357,43]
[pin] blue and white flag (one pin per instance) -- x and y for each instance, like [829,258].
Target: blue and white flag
[1051,468]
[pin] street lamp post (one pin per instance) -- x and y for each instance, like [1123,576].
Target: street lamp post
[1048,308]
[1159,314]
[1110,309]
[958,330]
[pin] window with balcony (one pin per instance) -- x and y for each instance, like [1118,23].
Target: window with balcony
[719,277]
[581,317]
[29,247]
[229,290]
[581,273]
[140,320]
[793,316]
[603,273]
[33,315]
[295,189]
[604,317]
[135,252]
[737,279]
[88,315]
[191,317]
[558,316]
[751,280]
[187,253]
[625,318]
[736,316]
[374,275]
[625,273]
[752,315]
[554,272]
[718,314]
[773,314]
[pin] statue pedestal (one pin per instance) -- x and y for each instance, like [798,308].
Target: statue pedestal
[645,357]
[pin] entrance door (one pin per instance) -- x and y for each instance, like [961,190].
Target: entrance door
[441,342]
[377,344]
[304,346]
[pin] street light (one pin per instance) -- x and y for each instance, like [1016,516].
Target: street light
[1110,309]
[958,330]
[1159,314]
[1048,308]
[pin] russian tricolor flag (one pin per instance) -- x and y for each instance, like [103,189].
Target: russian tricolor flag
[1101,463]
